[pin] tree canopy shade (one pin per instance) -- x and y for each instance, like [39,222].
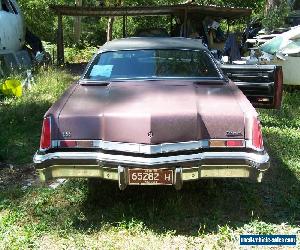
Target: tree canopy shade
[94,28]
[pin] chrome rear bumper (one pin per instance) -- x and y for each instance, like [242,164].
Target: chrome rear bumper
[151,161]
[186,167]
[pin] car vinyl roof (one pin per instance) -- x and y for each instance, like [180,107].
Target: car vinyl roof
[134,43]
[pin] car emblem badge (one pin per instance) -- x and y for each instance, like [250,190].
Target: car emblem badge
[233,133]
[67,134]
[150,134]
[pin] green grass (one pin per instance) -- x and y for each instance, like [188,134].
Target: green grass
[74,54]
[21,118]
[203,214]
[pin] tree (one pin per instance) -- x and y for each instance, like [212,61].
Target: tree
[111,20]
[95,31]
[77,23]
[296,4]
[271,4]
[276,12]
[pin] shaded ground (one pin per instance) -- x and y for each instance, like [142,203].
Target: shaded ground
[210,214]
[75,68]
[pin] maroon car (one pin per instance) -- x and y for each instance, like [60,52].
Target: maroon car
[159,111]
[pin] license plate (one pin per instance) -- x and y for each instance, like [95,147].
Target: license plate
[139,176]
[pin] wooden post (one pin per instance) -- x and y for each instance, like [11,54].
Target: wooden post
[60,41]
[124,26]
[171,24]
[228,27]
[185,23]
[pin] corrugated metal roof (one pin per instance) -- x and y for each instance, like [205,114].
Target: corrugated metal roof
[214,11]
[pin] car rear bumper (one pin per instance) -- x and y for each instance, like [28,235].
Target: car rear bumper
[186,167]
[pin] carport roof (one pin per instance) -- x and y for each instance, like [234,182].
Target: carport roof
[213,11]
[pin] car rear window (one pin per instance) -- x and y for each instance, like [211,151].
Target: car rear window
[149,64]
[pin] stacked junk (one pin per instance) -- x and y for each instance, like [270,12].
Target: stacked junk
[281,48]
[20,50]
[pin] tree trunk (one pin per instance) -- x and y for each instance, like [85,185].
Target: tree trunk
[77,23]
[271,4]
[110,24]
[111,20]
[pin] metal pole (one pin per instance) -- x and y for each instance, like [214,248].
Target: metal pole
[60,41]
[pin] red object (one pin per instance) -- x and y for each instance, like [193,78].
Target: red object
[278,87]
[68,144]
[235,143]
[257,139]
[45,142]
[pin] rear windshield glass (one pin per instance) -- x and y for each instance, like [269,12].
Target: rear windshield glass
[149,64]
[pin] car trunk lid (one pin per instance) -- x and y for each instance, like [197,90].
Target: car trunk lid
[152,112]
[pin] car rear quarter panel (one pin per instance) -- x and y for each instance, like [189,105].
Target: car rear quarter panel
[57,107]
[249,111]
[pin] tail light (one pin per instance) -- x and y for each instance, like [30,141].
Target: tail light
[257,139]
[45,142]
[221,143]
[68,144]
[235,143]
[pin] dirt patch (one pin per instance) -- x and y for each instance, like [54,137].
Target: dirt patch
[24,175]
